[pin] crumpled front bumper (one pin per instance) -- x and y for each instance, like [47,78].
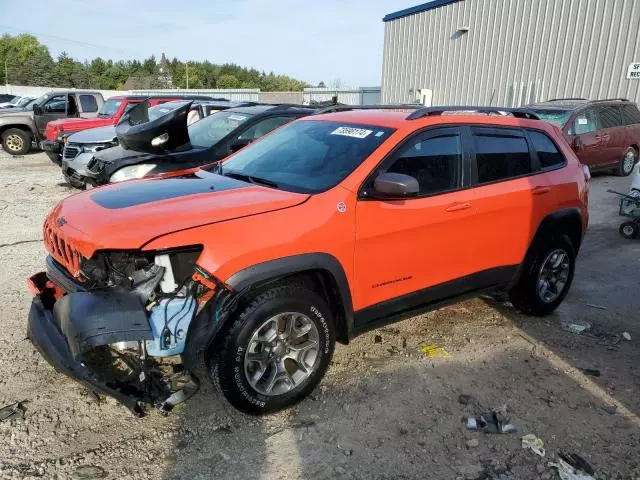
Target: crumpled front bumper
[45,335]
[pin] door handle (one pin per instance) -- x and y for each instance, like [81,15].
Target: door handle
[454,207]
[541,190]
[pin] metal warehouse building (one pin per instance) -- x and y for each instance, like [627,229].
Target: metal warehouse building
[511,52]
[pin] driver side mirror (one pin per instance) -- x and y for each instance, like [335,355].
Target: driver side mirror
[394,186]
[239,144]
[37,109]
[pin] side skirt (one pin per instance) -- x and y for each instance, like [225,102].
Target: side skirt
[431,298]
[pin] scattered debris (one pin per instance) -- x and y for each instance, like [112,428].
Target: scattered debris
[573,467]
[590,371]
[14,410]
[626,335]
[86,472]
[491,422]
[535,444]
[599,307]
[472,443]
[434,351]
[610,409]
[402,342]
[377,338]
[224,428]
[465,399]
[576,327]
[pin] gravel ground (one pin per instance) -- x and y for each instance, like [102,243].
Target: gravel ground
[384,410]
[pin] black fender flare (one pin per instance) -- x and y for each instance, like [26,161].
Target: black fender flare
[282,267]
[566,220]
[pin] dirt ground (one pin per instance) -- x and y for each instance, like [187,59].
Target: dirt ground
[384,411]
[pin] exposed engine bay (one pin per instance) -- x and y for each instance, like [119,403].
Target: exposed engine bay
[127,325]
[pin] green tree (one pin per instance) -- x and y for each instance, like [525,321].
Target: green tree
[227,81]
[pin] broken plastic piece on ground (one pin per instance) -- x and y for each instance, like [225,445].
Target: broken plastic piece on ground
[626,335]
[573,467]
[11,411]
[576,327]
[599,307]
[89,472]
[490,422]
[534,443]
[434,351]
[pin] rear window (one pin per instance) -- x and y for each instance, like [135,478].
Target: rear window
[501,156]
[547,151]
[88,103]
[609,117]
[630,115]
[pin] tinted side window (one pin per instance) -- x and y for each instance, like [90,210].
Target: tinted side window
[609,117]
[586,122]
[630,115]
[88,103]
[263,127]
[548,153]
[435,162]
[56,104]
[500,157]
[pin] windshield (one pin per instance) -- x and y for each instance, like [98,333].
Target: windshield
[557,117]
[164,108]
[24,101]
[110,108]
[307,156]
[16,100]
[210,130]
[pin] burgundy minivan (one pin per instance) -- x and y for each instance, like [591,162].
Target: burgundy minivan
[605,134]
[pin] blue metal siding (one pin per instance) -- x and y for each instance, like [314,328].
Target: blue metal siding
[417,9]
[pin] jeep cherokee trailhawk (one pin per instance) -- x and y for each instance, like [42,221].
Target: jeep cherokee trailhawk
[328,227]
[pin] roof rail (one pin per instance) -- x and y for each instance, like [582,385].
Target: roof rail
[610,100]
[286,106]
[564,99]
[516,112]
[344,108]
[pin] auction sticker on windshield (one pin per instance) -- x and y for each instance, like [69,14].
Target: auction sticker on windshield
[352,132]
[237,118]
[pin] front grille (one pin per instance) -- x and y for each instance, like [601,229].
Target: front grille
[60,249]
[71,150]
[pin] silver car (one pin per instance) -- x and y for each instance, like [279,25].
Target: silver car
[80,148]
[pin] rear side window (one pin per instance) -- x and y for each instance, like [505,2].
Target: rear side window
[547,151]
[435,162]
[630,115]
[609,117]
[500,157]
[88,103]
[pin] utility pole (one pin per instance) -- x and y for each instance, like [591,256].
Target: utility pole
[187,67]
[6,72]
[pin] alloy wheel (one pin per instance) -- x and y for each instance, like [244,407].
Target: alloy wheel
[14,143]
[282,353]
[553,275]
[629,161]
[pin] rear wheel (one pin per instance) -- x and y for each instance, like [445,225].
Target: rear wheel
[16,141]
[275,351]
[546,280]
[630,229]
[627,162]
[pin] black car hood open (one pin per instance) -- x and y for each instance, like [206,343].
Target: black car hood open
[136,132]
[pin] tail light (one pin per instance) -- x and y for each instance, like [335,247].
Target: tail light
[587,173]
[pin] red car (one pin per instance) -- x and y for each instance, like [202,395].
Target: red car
[57,131]
[605,134]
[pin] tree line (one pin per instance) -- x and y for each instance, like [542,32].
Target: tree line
[28,62]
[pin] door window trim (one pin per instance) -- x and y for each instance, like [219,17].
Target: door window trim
[423,134]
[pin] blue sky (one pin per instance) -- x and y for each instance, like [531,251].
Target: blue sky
[312,41]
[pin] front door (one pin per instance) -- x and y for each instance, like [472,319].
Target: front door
[586,129]
[404,247]
[52,109]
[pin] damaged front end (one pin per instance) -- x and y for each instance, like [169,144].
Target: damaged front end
[130,324]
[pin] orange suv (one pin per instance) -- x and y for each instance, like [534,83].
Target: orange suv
[328,227]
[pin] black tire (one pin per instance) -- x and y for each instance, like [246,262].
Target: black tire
[525,295]
[226,359]
[629,230]
[627,162]
[16,141]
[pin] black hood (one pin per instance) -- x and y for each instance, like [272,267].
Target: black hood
[136,132]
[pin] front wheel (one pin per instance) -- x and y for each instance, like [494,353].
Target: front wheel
[630,230]
[546,279]
[275,350]
[627,162]
[16,141]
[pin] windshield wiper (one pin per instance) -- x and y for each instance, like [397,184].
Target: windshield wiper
[249,178]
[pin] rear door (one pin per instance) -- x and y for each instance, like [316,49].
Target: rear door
[510,197]
[612,133]
[585,129]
